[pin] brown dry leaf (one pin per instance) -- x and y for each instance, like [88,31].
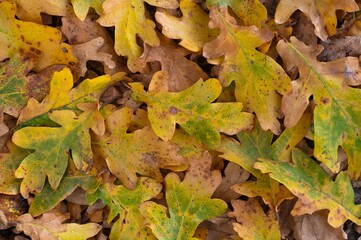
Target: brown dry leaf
[233,174]
[3,128]
[340,48]
[315,226]
[182,72]
[11,207]
[91,51]
[78,32]
[50,226]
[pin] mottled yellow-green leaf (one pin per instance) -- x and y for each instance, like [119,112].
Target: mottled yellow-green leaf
[337,114]
[13,83]
[52,147]
[81,7]
[258,78]
[128,17]
[189,202]
[63,96]
[253,222]
[49,226]
[257,144]
[322,13]
[141,152]
[48,198]
[192,28]
[9,162]
[125,202]
[192,109]
[314,189]
[28,11]
[42,40]
[250,12]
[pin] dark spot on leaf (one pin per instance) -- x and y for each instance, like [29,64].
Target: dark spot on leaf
[173,110]
[64,50]
[325,100]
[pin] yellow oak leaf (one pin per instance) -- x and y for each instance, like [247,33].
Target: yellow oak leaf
[128,17]
[192,28]
[258,78]
[337,115]
[125,202]
[140,152]
[41,40]
[62,95]
[192,109]
[250,12]
[314,189]
[28,11]
[253,222]
[81,7]
[52,147]
[321,13]
[50,226]
[189,202]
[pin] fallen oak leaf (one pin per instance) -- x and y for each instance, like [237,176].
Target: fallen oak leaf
[50,226]
[90,51]
[192,109]
[81,7]
[314,189]
[46,43]
[140,152]
[189,202]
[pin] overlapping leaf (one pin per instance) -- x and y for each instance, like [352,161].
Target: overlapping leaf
[258,77]
[337,116]
[129,19]
[314,189]
[189,202]
[50,226]
[321,13]
[81,7]
[63,96]
[249,12]
[252,222]
[257,144]
[125,202]
[44,41]
[192,28]
[52,147]
[192,110]
[140,152]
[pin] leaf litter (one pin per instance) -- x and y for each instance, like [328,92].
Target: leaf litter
[189,119]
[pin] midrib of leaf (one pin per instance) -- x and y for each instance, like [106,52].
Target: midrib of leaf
[181,228]
[321,79]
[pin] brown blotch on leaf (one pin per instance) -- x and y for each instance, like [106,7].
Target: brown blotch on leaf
[325,100]
[173,110]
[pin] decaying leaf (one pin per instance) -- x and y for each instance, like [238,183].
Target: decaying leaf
[182,72]
[321,12]
[189,202]
[337,114]
[50,226]
[15,38]
[314,189]
[192,110]
[125,202]
[253,222]
[81,7]
[52,147]
[129,20]
[90,51]
[140,152]
[249,12]
[192,28]
[257,76]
